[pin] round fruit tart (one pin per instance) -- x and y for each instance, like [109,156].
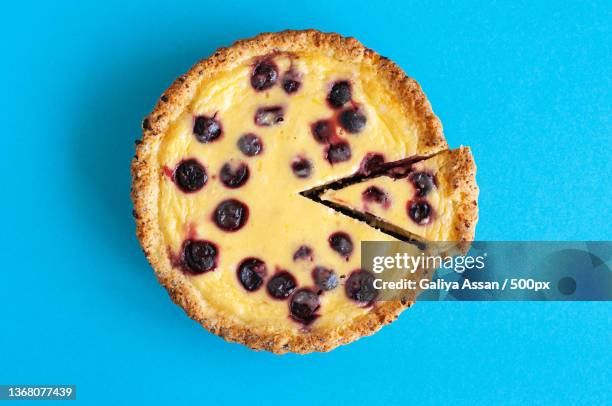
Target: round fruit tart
[228,176]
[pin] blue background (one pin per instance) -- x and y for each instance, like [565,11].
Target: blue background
[526,85]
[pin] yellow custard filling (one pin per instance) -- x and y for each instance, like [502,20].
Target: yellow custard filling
[280,220]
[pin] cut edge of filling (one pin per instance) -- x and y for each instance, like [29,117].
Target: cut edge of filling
[380,169]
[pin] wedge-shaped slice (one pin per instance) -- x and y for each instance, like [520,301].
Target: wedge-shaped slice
[433,199]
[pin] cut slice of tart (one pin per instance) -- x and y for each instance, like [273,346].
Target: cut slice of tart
[433,199]
[217,179]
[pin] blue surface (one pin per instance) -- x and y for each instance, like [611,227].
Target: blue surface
[527,86]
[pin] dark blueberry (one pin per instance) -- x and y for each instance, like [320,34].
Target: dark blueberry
[423,182]
[419,211]
[360,287]
[199,256]
[303,252]
[250,144]
[207,129]
[291,82]
[291,86]
[324,278]
[339,94]
[301,167]
[338,152]
[370,163]
[251,273]
[234,177]
[264,75]
[374,194]
[341,243]
[231,215]
[269,116]
[352,121]
[304,303]
[322,131]
[281,285]
[190,176]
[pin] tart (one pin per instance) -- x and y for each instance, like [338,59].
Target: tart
[222,175]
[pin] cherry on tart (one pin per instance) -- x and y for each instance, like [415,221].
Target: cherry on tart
[281,285]
[234,176]
[207,129]
[269,116]
[230,215]
[291,82]
[264,75]
[353,120]
[324,278]
[419,211]
[199,256]
[220,177]
[304,303]
[374,194]
[250,145]
[303,253]
[338,152]
[301,167]
[190,176]
[340,94]
[360,287]
[423,182]
[251,273]
[323,131]
[341,243]
[370,163]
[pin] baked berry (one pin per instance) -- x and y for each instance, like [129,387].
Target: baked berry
[234,176]
[304,252]
[281,285]
[322,131]
[352,120]
[251,273]
[291,82]
[250,144]
[423,182]
[199,256]
[370,163]
[291,86]
[231,215]
[324,278]
[269,116]
[190,176]
[419,211]
[264,75]
[375,194]
[339,94]
[301,167]
[304,303]
[360,287]
[207,129]
[341,243]
[338,152]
